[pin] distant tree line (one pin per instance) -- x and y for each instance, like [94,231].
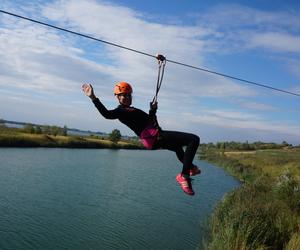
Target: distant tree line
[39,129]
[246,145]
[45,129]
[242,146]
[207,150]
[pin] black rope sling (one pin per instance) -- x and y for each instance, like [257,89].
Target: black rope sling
[161,69]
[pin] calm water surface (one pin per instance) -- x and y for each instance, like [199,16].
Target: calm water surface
[102,199]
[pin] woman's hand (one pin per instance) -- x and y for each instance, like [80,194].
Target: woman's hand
[88,90]
[153,105]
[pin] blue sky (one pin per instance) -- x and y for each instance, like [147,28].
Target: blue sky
[41,69]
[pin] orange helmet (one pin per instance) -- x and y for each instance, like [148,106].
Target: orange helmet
[122,88]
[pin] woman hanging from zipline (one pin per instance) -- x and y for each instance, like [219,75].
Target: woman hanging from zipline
[146,127]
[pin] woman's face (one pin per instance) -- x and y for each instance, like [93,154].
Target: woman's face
[125,99]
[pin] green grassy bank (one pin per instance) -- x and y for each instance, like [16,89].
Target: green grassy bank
[264,213]
[16,138]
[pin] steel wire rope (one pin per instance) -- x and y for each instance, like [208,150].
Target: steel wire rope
[147,54]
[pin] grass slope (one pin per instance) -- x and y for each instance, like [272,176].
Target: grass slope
[264,213]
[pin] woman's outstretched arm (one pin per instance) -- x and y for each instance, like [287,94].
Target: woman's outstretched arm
[108,114]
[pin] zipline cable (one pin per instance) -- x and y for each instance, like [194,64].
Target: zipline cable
[147,54]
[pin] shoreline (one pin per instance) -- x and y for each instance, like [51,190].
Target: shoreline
[25,140]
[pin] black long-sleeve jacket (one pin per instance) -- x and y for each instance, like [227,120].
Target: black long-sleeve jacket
[136,119]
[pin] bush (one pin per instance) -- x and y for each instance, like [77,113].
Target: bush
[288,190]
[252,218]
[115,136]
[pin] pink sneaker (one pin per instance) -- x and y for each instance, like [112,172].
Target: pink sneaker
[185,184]
[194,171]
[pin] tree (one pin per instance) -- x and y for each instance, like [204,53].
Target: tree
[2,123]
[46,130]
[65,131]
[222,148]
[115,136]
[55,130]
[38,130]
[29,128]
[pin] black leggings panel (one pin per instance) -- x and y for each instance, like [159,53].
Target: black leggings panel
[175,141]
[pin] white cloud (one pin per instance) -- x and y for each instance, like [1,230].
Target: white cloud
[244,27]
[236,16]
[236,120]
[254,106]
[294,67]
[37,58]
[279,42]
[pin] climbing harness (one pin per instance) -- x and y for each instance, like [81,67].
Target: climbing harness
[161,69]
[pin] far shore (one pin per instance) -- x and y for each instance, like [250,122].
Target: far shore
[59,141]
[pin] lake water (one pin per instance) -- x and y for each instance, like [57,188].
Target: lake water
[103,199]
